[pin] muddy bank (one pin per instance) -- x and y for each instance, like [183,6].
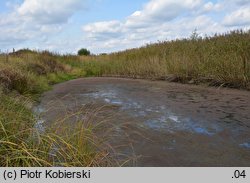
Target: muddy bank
[202,81]
[156,123]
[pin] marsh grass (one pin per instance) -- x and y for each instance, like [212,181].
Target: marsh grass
[62,144]
[24,75]
[220,60]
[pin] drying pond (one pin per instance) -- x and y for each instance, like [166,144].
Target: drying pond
[156,123]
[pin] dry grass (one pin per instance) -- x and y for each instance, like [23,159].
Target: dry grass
[221,60]
[23,144]
[24,75]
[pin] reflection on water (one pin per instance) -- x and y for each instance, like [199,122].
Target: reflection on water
[245,145]
[153,117]
[39,125]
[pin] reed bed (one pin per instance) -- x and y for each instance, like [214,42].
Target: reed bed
[220,60]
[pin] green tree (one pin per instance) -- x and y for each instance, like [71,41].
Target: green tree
[83,51]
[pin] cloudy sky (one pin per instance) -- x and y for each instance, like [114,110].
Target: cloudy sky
[110,25]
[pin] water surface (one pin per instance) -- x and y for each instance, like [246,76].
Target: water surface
[157,123]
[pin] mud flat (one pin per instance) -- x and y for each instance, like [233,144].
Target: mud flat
[156,123]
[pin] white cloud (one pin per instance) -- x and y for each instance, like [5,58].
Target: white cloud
[238,17]
[46,24]
[167,19]
[135,37]
[160,10]
[102,31]
[210,6]
[154,13]
[36,20]
[241,2]
[158,20]
[49,12]
[109,27]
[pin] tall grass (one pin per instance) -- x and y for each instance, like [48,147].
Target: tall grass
[24,75]
[21,143]
[221,60]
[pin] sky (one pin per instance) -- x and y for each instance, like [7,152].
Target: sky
[105,26]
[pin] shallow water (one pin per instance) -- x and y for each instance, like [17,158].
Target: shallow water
[160,123]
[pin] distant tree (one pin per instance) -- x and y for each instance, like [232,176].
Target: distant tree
[103,54]
[83,51]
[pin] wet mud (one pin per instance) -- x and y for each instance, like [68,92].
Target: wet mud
[156,123]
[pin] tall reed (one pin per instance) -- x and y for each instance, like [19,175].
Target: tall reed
[220,60]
